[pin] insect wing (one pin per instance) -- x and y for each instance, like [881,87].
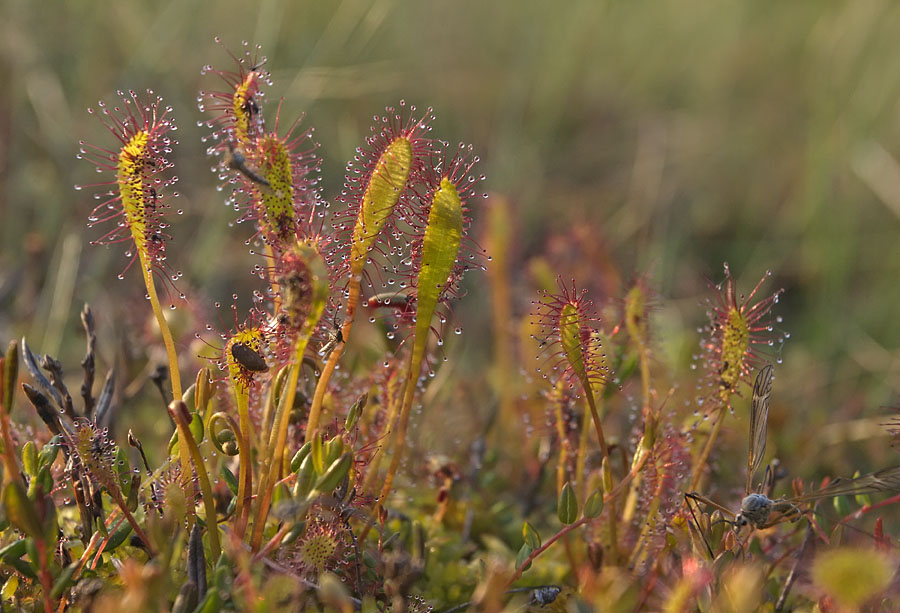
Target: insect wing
[885,480]
[759,416]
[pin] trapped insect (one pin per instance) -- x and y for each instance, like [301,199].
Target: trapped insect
[335,337]
[247,357]
[757,509]
[236,160]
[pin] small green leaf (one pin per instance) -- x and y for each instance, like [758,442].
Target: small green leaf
[335,474]
[606,473]
[16,549]
[30,458]
[530,535]
[123,470]
[9,588]
[196,426]
[230,480]
[64,580]
[23,566]
[131,503]
[594,504]
[333,449]
[300,456]
[306,477]
[118,537]
[318,456]
[20,509]
[188,397]
[355,411]
[49,452]
[524,552]
[44,479]
[567,506]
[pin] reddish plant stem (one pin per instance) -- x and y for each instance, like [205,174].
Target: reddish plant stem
[44,574]
[608,498]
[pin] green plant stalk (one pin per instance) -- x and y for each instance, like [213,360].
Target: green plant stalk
[639,551]
[391,423]
[440,248]
[386,185]
[315,300]
[174,374]
[274,389]
[651,423]
[604,451]
[186,439]
[581,456]
[245,476]
[277,439]
[315,409]
[399,438]
[242,507]
[564,445]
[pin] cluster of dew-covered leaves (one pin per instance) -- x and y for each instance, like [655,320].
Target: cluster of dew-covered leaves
[403,475]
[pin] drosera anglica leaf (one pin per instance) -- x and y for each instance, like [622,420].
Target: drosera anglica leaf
[437,268]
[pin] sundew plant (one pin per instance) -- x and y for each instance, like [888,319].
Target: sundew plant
[316,455]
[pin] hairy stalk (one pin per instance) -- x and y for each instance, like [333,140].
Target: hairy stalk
[440,248]
[178,411]
[564,444]
[649,525]
[604,451]
[277,438]
[707,449]
[499,239]
[390,424]
[651,423]
[315,409]
[383,191]
[399,438]
[581,456]
[170,349]
[310,308]
[306,296]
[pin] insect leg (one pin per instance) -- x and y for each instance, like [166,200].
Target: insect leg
[695,524]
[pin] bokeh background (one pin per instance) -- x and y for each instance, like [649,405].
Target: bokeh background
[631,139]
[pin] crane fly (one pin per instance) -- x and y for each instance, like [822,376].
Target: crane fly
[757,509]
